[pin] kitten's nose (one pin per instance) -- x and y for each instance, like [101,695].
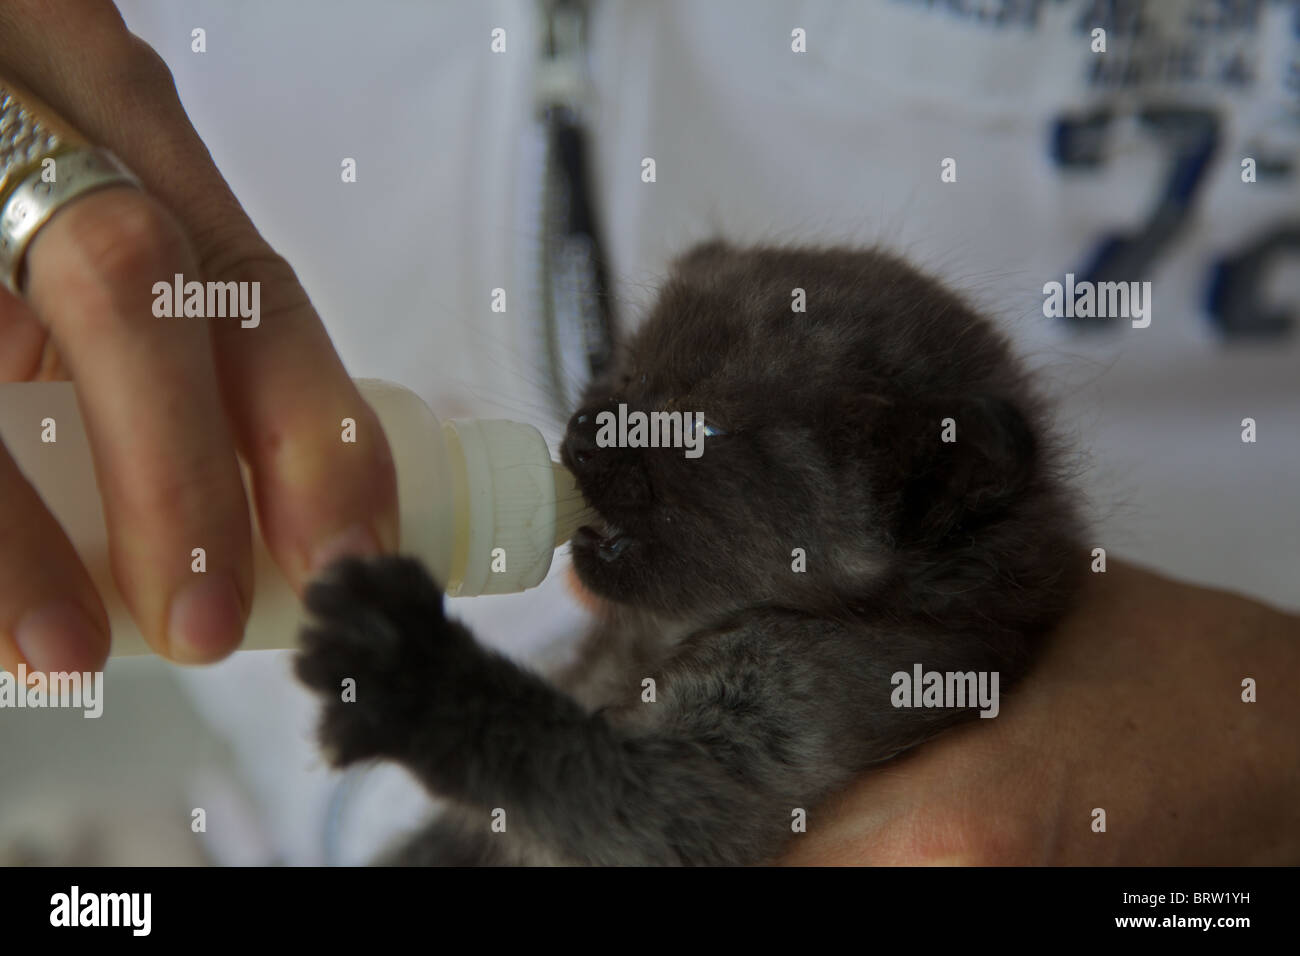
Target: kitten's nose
[580,439]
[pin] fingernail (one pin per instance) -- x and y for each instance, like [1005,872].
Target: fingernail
[206,619]
[59,637]
[357,542]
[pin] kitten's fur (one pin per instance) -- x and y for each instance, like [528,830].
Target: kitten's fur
[773,686]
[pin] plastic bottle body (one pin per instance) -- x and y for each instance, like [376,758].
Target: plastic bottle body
[481,503]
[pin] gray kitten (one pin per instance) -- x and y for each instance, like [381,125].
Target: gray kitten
[773,682]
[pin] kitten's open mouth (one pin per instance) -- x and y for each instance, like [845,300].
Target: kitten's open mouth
[609,541]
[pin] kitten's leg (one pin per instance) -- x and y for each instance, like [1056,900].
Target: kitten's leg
[750,726]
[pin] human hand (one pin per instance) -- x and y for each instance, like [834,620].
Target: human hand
[167,402]
[1135,707]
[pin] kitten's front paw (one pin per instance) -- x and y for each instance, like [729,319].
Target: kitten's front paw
[372,653]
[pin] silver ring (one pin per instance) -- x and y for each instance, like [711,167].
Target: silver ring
[44,191]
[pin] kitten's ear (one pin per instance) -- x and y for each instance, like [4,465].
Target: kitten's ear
[707,257]
[968,459]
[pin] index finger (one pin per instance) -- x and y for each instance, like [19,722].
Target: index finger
[148,394]
[283,386]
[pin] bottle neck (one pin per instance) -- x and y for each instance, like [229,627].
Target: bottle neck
[512,506]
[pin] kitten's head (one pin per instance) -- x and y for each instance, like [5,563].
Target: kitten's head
[824,378]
